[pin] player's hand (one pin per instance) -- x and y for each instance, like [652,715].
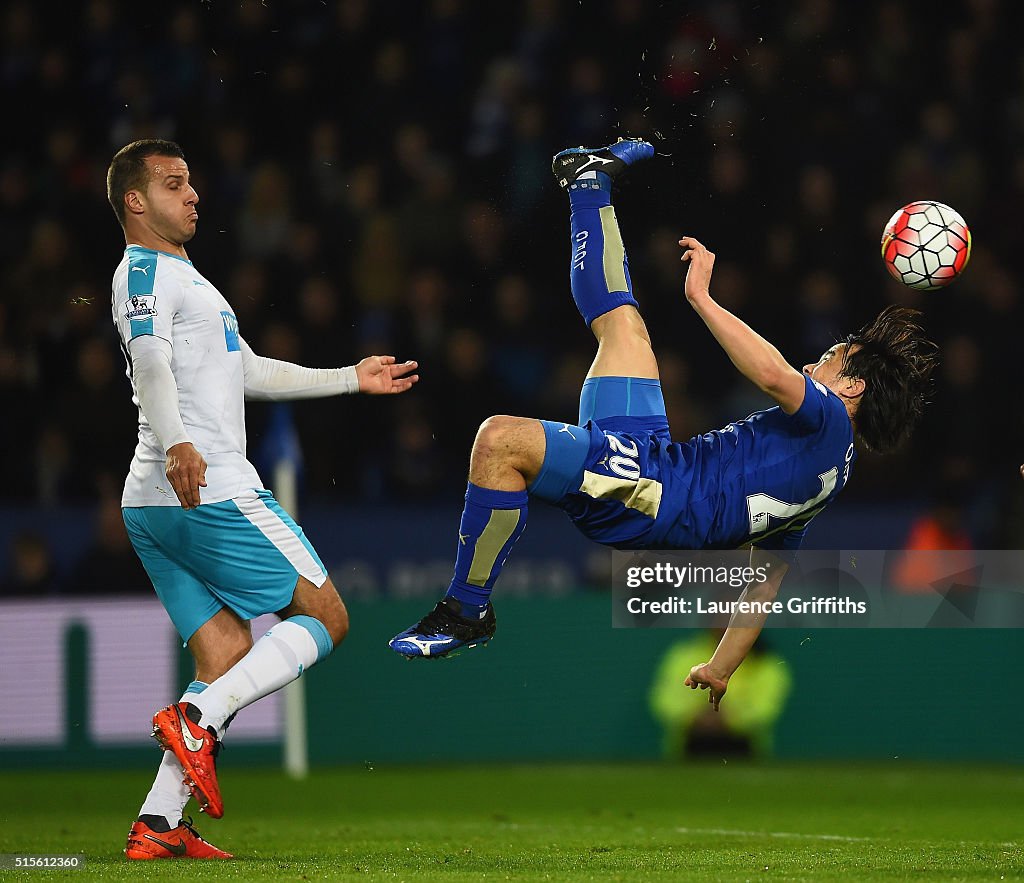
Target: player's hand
[379,375]
[186,471]
[703,677]
[698,274]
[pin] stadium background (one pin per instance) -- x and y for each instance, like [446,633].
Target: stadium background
[375,177]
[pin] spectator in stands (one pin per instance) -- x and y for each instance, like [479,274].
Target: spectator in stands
[691,727]
[940,528]
[434,160]
[109,566]
[31,572]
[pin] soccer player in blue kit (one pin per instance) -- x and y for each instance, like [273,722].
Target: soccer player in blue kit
[617,473]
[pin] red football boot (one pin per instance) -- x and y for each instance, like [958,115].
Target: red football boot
[196,750]
[181,842]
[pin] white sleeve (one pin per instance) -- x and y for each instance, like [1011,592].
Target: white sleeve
[157,389]
[274,380]
[145,303]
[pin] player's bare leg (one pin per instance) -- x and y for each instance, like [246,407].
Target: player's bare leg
[219,643]
[623,345]
[507,454]
[322,603]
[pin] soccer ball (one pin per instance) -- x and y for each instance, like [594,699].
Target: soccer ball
[926,245]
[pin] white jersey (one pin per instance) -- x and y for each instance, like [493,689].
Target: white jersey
[164,295]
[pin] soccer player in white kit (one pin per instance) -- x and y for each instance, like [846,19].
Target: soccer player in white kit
[216,544]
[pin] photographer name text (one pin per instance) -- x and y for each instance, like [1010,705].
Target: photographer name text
[815,604]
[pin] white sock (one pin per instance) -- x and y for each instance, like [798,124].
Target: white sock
[276,659]
[169,793]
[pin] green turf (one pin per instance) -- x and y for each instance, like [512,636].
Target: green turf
[717,822]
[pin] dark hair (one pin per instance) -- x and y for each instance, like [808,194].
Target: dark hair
[128,169]
[895,360]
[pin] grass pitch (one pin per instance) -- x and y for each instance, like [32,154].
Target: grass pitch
[717,822]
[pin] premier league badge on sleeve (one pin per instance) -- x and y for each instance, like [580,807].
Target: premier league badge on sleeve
[139,307]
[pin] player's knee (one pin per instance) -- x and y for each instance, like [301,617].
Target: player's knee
[333,613]
[321,603]
[494,437]
[337,623]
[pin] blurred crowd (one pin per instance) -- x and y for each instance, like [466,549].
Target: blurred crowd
[375,177]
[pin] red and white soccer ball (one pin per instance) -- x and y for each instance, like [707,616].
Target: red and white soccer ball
[926,245]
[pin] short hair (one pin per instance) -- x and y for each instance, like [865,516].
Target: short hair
[128,169]
[895,360]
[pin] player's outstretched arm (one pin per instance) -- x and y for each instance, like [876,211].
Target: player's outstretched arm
[757,359]
[739,637]
[275,380]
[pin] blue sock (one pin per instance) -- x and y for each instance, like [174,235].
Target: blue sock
[599,272]
[491,523]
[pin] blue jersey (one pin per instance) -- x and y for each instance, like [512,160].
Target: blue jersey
[757,481]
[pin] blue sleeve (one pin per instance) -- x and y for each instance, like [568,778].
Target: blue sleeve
[818,401]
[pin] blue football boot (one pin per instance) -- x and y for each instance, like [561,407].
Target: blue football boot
[568,165]
[443,631]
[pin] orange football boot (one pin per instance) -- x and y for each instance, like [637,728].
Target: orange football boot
[196,750]
[181,842]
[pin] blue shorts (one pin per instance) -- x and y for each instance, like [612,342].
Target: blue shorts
[245,554]
[598,471]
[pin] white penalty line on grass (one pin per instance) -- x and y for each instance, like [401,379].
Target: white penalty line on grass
[733,832]
[793,835]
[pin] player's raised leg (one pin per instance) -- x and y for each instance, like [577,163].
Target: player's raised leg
[599,270]
[512,454]
[313,624]
[623,379]
[253,559]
